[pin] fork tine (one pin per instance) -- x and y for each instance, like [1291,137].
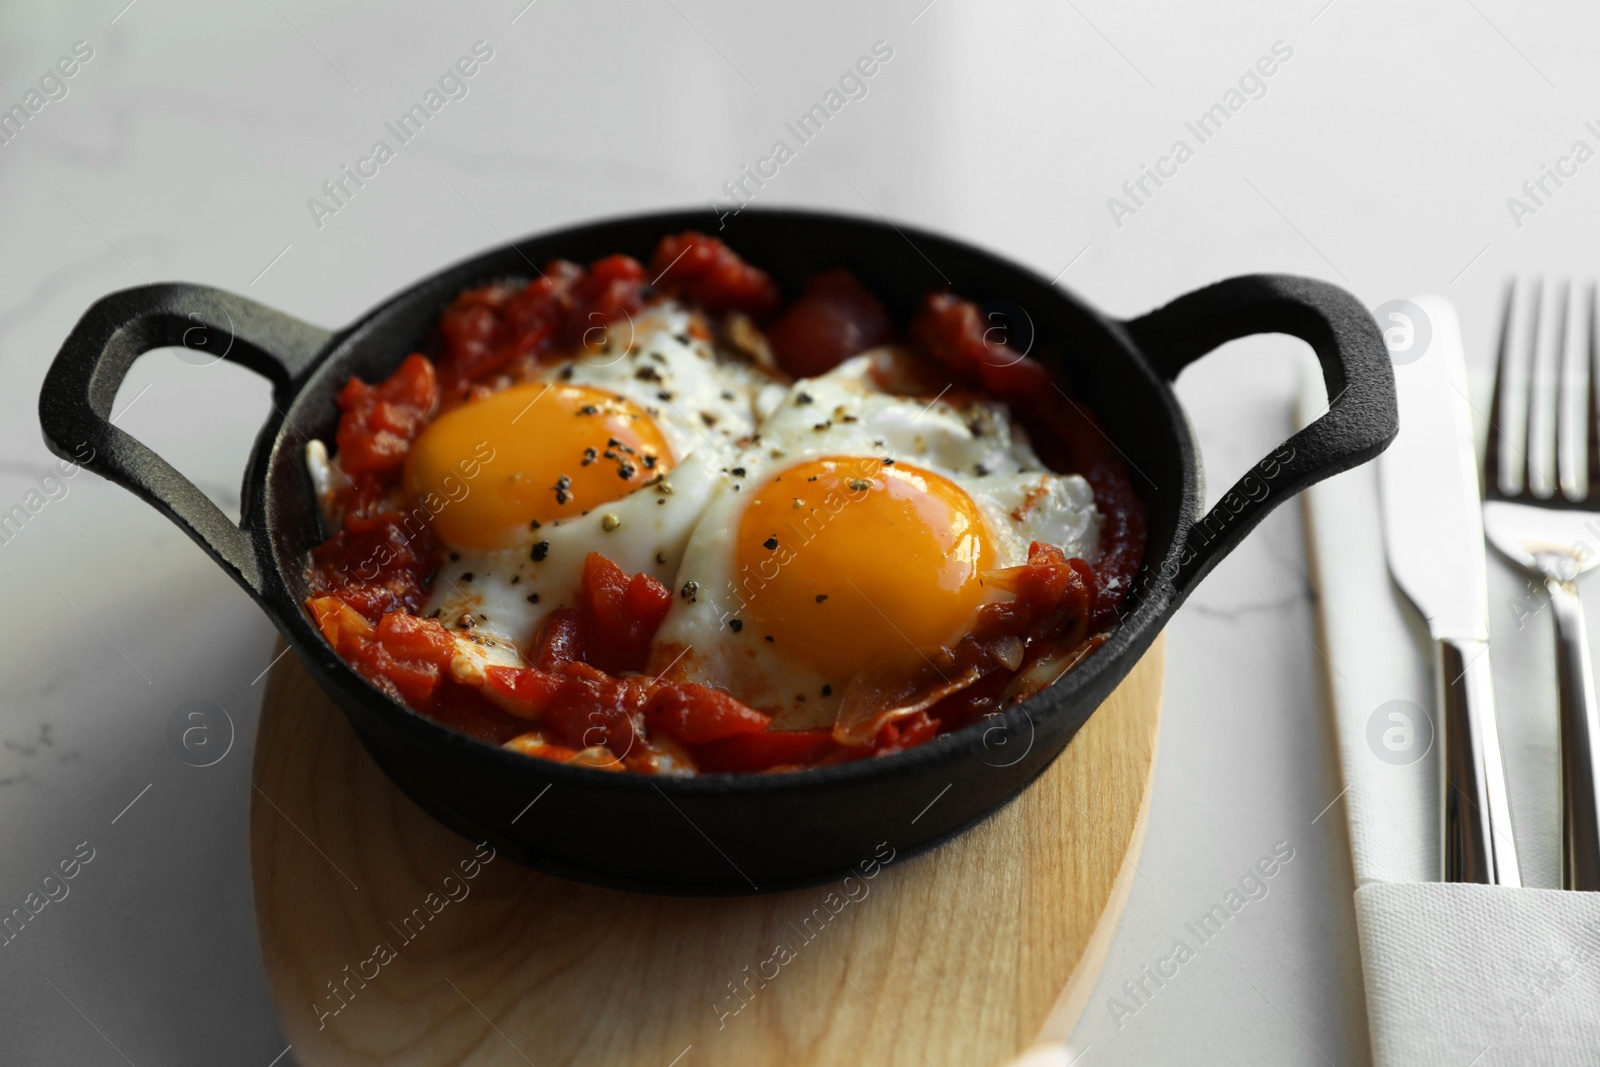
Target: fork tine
[1567,407]
[1540,369]
[1592,437]
[1500,474]
[1524,364]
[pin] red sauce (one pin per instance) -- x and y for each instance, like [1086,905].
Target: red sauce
[378,422]
[835,318]
[1066,434]
[704,271]
[583,699]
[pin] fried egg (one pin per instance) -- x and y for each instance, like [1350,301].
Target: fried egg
[855,531]
[614,451]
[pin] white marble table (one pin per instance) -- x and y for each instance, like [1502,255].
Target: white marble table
[1379,154]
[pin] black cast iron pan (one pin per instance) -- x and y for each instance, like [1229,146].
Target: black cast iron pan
[729,834]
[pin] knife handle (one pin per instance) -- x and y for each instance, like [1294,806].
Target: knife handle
[1477,843]
[1580,733]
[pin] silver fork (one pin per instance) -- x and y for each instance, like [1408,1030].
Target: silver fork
[1546,526]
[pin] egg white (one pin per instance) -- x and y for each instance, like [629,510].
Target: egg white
[699,396]
[496,601]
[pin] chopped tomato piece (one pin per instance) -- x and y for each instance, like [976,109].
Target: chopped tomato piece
[834,319]
[709,273]
[376,564]
[593,708]
[614,624]
[416,638]
[1044,577]
[535,315]
[366,497]
[560,640]
[576,706]
[520,691]
[403,655]
[485,329]
[411,682]
[612,289]
[764,751]
[501,328]
[1055,596]
[699,714]
[953,332]
[469,331]
[380,421]
[464,708]
[622,612]
[904,732]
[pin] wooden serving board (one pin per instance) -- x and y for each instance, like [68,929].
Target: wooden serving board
[966,955]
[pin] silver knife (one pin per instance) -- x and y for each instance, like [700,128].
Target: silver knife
[1433,531]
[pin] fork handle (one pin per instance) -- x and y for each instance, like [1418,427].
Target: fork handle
[1580,733]
[1475,814]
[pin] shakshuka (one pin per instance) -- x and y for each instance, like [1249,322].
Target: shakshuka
[660,520]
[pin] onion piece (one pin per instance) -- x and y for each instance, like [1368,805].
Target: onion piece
[599,757]
[880,694]
[1003,578]
[326,480]
[1048,668]
[1007,651]
[746,338]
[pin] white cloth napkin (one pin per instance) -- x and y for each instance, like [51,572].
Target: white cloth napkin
[1457,975]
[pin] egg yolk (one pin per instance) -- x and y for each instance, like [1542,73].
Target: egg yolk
[530,453]
[845,561]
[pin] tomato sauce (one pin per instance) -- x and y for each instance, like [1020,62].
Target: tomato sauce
[1066,434]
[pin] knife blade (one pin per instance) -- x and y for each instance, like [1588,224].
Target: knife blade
[1433,536]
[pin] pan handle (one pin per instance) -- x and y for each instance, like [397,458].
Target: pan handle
[1361,419]
[81,385]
